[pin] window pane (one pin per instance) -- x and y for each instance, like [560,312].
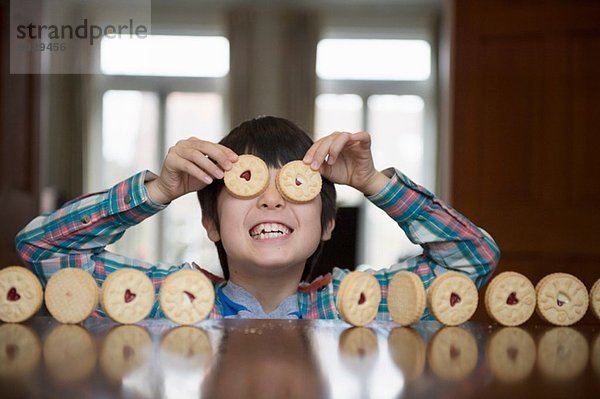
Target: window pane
[129,137]
[206,56]
[185,240]
[373,59]
[396,125]
[340,112]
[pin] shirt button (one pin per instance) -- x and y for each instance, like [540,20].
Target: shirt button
[85,219]
[127,199]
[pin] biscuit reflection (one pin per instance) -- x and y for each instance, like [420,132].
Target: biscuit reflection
[19,351]
[358,347]
[595,360]
[562,353]
[407,350]
[452,353]
[124,350]
[187,345]
[69,353]
[511,354]
[267,359]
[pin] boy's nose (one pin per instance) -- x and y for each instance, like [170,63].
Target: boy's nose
[271,198]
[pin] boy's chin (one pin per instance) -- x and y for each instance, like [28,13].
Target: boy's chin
[278,265]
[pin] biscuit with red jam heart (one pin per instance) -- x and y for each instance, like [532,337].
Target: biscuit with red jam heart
[510,299]
[248,177]
[21,294]
[127,296]
[452,298]
[358,298]
[186,297]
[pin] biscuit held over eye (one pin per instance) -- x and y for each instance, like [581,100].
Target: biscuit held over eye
[248,177]
[297,182]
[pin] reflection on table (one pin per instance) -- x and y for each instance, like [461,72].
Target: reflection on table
[304,359]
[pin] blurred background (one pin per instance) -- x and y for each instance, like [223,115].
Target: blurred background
[490,104]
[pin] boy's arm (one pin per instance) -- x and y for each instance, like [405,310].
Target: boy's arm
[76,234]
[449,240]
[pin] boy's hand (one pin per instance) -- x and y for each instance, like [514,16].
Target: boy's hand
[349,161]
[190,165]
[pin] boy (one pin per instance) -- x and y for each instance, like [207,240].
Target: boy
[263,272]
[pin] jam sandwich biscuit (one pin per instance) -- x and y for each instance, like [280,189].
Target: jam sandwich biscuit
[71,295]
[406,298]
[186,297]
[21,294]
[452,298]
[248,177]
[595,298]
[510,299]
[127,296]
[358,298]
[562,299]
[297,182]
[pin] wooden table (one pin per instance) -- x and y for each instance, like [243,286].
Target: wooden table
[296,359]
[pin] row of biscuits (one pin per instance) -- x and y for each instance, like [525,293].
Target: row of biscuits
[187,297]
[510,298]
[127,295]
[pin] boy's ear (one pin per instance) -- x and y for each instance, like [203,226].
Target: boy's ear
[328,230]
[211,229]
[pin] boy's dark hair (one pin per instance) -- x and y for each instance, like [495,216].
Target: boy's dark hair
[276,141]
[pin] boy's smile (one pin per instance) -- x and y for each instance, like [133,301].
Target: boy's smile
[270,230]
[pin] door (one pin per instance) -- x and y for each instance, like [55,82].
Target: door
[525,126]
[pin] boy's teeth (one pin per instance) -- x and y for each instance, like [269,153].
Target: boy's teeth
[269,230]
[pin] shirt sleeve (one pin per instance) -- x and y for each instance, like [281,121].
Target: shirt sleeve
[449,240]
[76,234]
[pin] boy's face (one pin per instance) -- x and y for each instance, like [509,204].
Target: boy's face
[268,233]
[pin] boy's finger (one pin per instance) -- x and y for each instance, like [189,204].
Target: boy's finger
[310,154]
[363,137]
[217,152]
[323,149]
[202,161]
[337,146]
[192,169]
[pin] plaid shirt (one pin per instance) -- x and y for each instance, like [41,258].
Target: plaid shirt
[76,236]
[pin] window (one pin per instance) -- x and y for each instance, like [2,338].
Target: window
[154,92]
[373,59]
[384,86]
